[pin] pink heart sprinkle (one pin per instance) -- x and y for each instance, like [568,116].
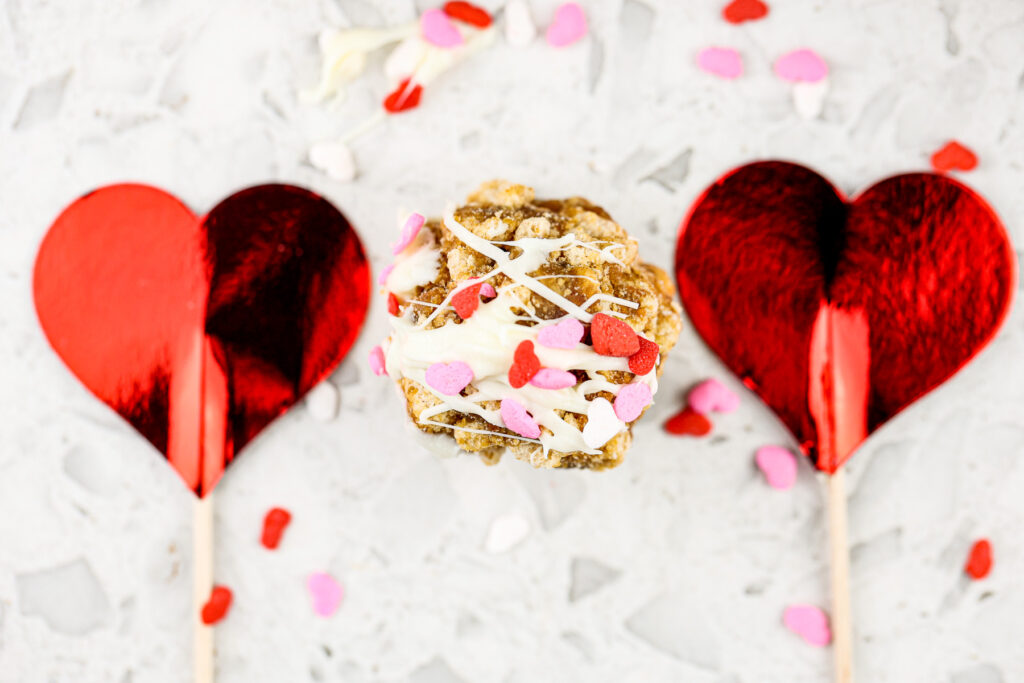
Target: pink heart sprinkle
[564,335]
[713,396]
[631,401]
[801,65]
[382,279]
[570,25]
[449,378]
[439,30]
[487,290]
[778,466]
[515,417]
[377,364]
[409,230]
[552,378]
[723,62]
[326,593]
[808,622]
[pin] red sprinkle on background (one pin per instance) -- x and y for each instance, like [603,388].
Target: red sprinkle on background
[738,11]
[392,303]
[642,362]
[273,527]
[612,337]
[954,157]
[399,100]
[979,562]
[466,301]
[687,422]
[217,606]
[468,13]
[525,365]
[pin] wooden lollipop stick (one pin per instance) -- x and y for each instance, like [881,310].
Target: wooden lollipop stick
[202,584]
[841,622]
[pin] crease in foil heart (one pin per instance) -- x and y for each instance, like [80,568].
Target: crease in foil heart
[199,331]
[840,313]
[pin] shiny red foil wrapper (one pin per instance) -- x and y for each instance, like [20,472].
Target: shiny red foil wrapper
[201,330]
[841,312]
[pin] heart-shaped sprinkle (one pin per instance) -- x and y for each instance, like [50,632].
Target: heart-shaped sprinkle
[403,97]
[412,227]
[689,423]
[468,13]
[954,157]
[405,57]
[385,273]
[216,608]
[723,62]
[808,622]
[738,11]
[377,364]
[562,335]
[711,396]
[519,27]
[809,98]
[467,299]
[778,466]
[570,25]
[525,365]
[631,401]
[487,291]
[612,337]
[602,423]
[449,378]
[515,417]
[642,362]
[801,65]
[438,29]
[326,593]
[552,378]
[392,303]
[335,159]
[979,562]
[273,527]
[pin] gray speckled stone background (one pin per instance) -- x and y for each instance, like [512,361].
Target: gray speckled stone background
[674,567]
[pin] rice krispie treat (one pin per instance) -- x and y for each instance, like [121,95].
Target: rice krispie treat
[526,326]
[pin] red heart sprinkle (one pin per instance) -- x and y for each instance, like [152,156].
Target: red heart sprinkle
[738,11]
[688,422]
[979,562]
[273,527]
[467,300]
[525,365]
[642,362]
[399,100]
[612,337]
[392,303]
[954,157]
[217,606]
[468,13]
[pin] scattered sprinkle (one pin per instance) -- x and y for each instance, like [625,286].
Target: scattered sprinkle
[563,335]
[808,622]
[723,62]
[382,279]
[519,27]
[405,57]
[399,100]
[392,303]
[506,532]
[274,524]
[525,365]
[801,65]
[979,562]
[954,157]
[602,423]
[216,608]
[412,227]
[552,378]
[809,98]
[449,378]
[377,363]
[689,423]
[738,11]
[487,291]
[711,396]
[468,13]
[437,29]
[569,26]
[323,401]
[631,401]
[612,337]
[335,159]
[642,362]
[326,593]
[516,418]
[778,466]
[466,300]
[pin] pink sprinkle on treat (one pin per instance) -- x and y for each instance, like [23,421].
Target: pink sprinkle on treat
[564,335]
[326,593]
[516,418]
[723,62]
[552,378]
[631,401]
[449,378]
[409,231]
[808,622]
[377,364]
[569,26]
[437,29]
[385,273]
[487,290]
[778,466]
[711,396]
[801,65]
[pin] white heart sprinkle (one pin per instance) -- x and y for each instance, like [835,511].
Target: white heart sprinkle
[602,423]
[334,159]
[809,98]
[404,59]
[323,401]
[506,532]
[519,27]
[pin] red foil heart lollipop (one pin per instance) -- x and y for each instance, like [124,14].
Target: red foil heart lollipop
[201,331]
[840,313]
